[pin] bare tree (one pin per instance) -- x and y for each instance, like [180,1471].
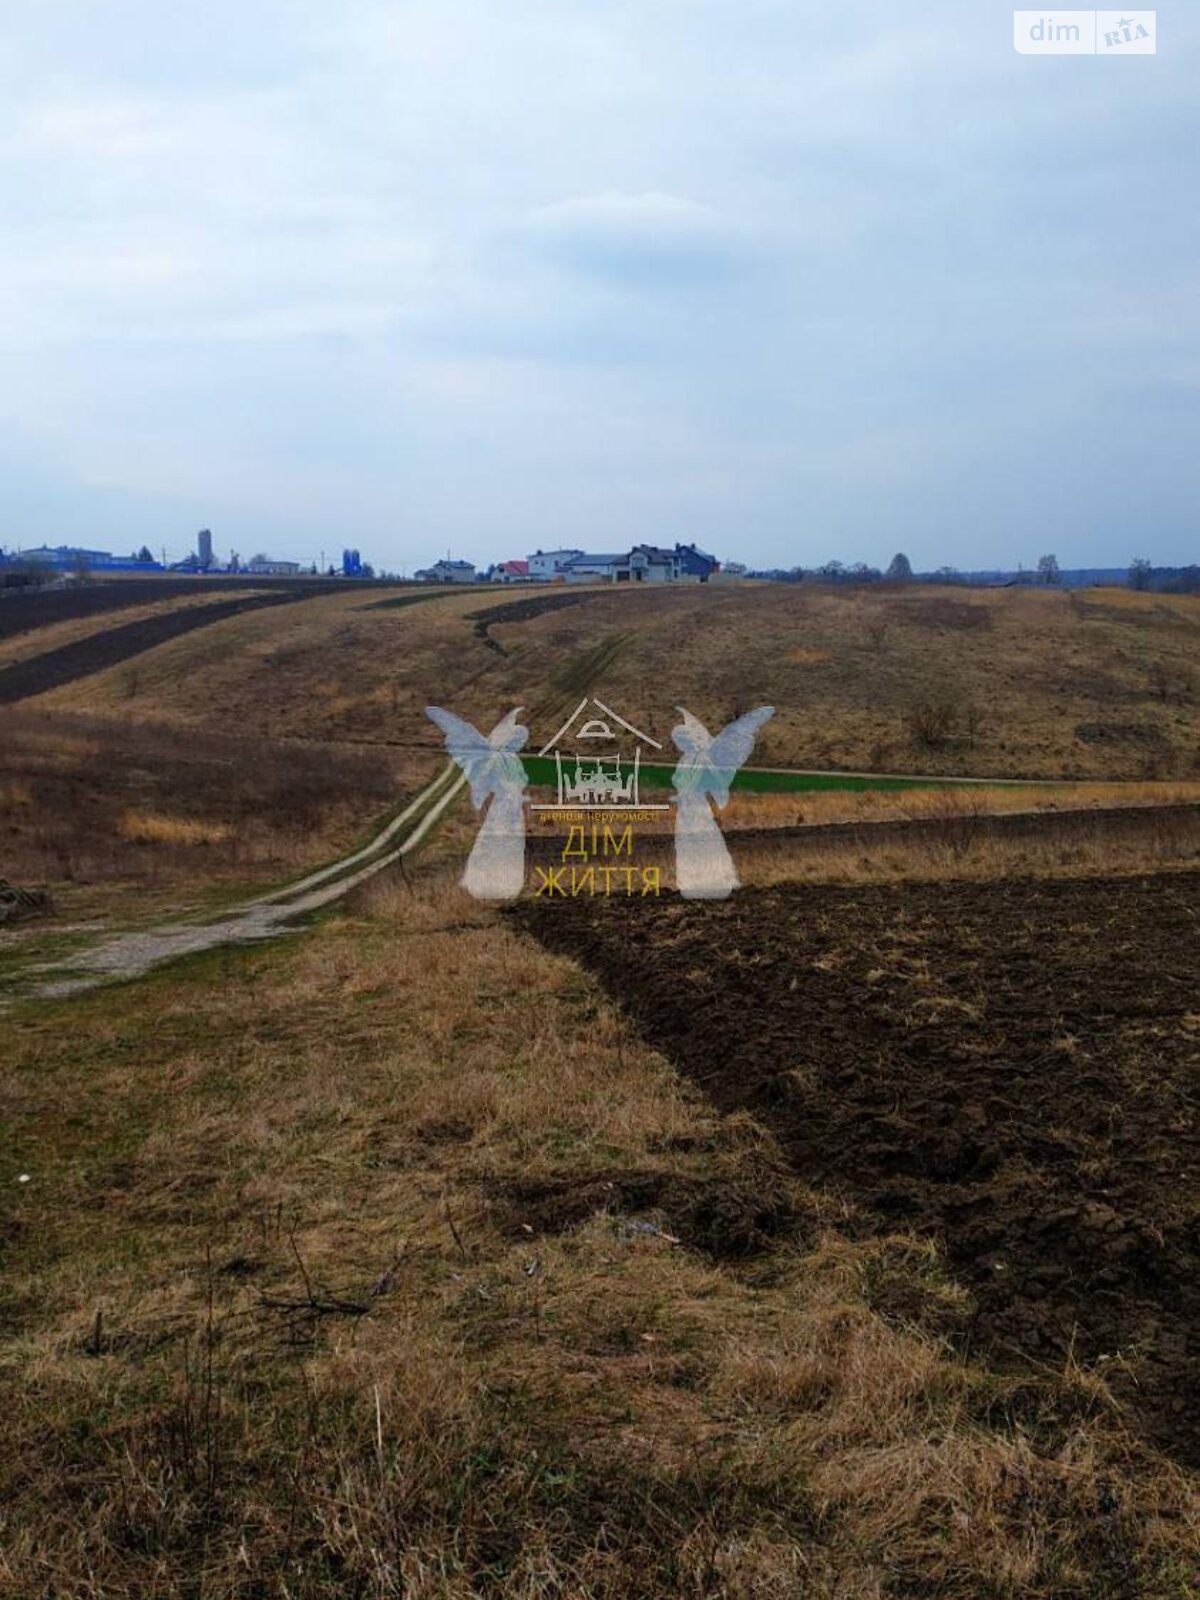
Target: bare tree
[1140,572]
[931,723]
[1048,570]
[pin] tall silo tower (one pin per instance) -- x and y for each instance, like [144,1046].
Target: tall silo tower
[204,547]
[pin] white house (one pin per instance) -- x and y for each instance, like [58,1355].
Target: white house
[645,563]
[546,564]
[447,571]
[266,567]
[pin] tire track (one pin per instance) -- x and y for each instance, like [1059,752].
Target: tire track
[124,956]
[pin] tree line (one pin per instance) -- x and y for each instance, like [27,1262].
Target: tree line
[1141,574]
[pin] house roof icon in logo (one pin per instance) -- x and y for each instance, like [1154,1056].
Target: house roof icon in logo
[601,776]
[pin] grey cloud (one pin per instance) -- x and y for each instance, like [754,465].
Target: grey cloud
[823,282]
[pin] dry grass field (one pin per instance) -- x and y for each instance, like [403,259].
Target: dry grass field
[105,810]
[946,840]
[1017,682]
[443,1253]
[397,1264]
[228,753]
[821,807]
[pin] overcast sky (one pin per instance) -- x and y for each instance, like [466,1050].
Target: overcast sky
[794,282]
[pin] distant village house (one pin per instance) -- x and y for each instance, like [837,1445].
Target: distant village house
[645,563]
[265,567]
[546,564]
[511,572]
[447,571]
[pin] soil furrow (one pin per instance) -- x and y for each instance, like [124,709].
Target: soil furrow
[1010,1067]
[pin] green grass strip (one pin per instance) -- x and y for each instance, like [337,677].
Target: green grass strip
[541,770]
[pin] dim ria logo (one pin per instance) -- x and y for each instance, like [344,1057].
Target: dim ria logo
[597,770]
[1085,33]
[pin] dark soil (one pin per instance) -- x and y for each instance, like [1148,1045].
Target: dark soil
[729,1215]
[400,602]
[1009,1066]
[519,611]
[23,610]
[83,657]
[26,609]
[534,605]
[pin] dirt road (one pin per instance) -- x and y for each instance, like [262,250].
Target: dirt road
[129,955]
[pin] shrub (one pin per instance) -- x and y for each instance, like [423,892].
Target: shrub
[931,723]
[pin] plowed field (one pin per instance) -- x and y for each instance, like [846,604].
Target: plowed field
[1010,1067]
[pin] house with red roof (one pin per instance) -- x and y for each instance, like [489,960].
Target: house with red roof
[511,572]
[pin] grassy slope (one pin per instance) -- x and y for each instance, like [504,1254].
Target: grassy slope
[288,1308]
[288,1305]
[112,812]
[1100,684]
[110,809]
[348,670]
